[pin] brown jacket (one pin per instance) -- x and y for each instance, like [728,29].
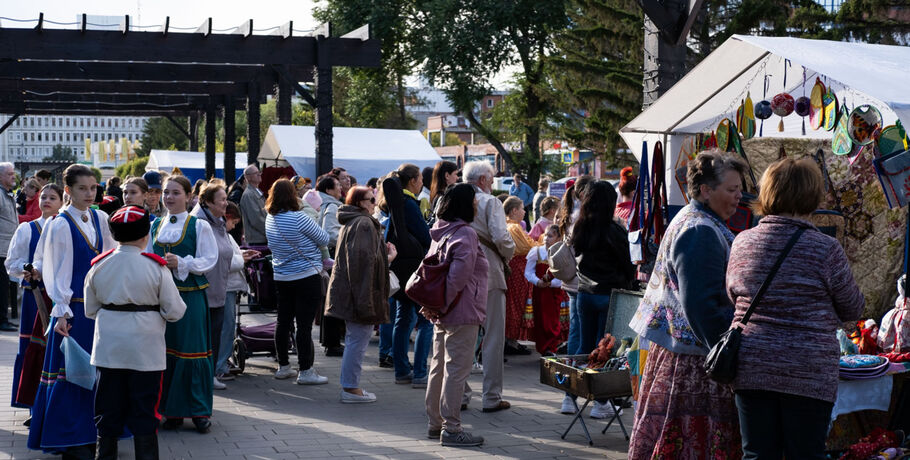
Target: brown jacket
[359,286]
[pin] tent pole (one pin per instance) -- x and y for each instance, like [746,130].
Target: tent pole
[718,90]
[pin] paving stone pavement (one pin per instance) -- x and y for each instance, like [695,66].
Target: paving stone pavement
[259,417]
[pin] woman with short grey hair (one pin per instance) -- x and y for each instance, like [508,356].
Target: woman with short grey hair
[684,311]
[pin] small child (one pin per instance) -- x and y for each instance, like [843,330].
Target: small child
[894,334]
[546,295]
[130,319]
[548,208]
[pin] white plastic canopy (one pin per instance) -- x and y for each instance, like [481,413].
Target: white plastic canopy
[363,152]
[859,73]
[191,164]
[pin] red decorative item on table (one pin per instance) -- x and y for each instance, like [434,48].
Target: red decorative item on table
[867,446]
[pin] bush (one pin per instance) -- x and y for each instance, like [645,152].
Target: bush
[134,167]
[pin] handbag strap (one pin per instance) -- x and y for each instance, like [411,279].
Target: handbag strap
[774,269]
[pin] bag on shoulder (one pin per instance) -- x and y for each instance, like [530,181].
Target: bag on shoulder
[562,261]
[427,285]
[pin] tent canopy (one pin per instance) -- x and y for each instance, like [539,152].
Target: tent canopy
[191,164]
[363,152]
[859,73]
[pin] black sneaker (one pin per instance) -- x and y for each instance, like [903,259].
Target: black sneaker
[434,433]
[203,424]
[386,362]
[460,439]
[334,351]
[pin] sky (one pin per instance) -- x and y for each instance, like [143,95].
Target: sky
[183,13]
[225,14]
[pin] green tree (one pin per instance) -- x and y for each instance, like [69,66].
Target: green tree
[160,133]
[461,45]
[134,168]
[596,73]
[374,98]
[874,21]
[61,153]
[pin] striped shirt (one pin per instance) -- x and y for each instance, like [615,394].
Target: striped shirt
[294,239]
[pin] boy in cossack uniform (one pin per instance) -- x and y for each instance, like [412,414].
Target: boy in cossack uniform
[131,295]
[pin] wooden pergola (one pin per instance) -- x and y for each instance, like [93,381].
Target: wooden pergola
[169,73]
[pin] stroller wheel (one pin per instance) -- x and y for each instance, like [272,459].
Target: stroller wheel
[239,354]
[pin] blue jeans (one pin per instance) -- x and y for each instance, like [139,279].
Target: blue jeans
[227,333]
[356,339]
[385,330]
[407,310]
[592,314]
[574,325]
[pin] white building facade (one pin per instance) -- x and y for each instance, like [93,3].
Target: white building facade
[33,137]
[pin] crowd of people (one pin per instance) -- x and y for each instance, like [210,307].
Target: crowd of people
[520,267]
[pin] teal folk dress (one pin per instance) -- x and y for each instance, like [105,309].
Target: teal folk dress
[187,386]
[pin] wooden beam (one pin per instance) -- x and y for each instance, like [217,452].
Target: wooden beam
[361,33]
[210,141]
[101,112]
[40,26]
[324,117]
[156,71]
[288,79]
[230,143]
[285,30]
[323,30]
[177,125]
[166,26]
[110,98]
[253,134]
[192,122]
[245,29]
[9,122]
[283,107]
[122,87]
[83,22]
[125,24]
[83,105]
[206,28]
[142,46]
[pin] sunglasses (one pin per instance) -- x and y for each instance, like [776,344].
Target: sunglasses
[372,200]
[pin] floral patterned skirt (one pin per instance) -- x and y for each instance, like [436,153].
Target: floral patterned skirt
[682,414]
[518,324]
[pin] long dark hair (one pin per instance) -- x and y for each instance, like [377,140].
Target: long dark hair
[457,203]
[566,206]
[438,186]
[595,225]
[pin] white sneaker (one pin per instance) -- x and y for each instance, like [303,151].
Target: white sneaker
[284,372]
[477,369]
[351,398]
[603,410]
[310,377]
[218,385]
[568,405]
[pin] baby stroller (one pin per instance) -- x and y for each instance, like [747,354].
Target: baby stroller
[260,276]
[257,339]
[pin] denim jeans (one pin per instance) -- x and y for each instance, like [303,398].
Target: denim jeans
[574,325]
[385,330]
[401,342]
[228,329]
[592,314]
[356,338]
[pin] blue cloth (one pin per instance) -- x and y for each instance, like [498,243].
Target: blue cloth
[573,342]
[28,314]
[294,240]
[67,408]
[401,342]
[524,192]
[415,222]
[386,330]
[592,314]
[228,329]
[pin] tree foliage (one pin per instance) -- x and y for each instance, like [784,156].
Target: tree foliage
[596,73]
[61,153]
[463,44]
[160,133]
[132,168]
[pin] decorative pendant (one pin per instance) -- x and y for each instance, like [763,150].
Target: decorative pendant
[84,218]
[173,219]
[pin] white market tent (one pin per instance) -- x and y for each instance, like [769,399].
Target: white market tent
[859,73]
[363,152]
[191,164]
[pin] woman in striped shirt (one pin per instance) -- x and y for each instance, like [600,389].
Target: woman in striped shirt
[294,239]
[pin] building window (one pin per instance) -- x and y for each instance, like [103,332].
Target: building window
[116,123]
[33,137]
[489,103]
[96,137]
[54,137]
[96,122]
[53,122]
[39,137]
[67,137]
[39,122]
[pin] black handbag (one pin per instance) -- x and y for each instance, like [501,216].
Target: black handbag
[720,364]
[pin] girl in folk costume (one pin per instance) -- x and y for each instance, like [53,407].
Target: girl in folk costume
[21,253]
[188,245]
[548,208]
[62,415]
[547,298]
[518,318]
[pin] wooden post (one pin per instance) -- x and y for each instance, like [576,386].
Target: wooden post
[193,126]
[283,107]
[252,124]
[230,142]
[210,141]
[323,109]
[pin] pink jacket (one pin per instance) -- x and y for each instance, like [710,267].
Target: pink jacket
[467,272]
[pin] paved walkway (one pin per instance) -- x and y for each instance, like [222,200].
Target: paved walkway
[259,417]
